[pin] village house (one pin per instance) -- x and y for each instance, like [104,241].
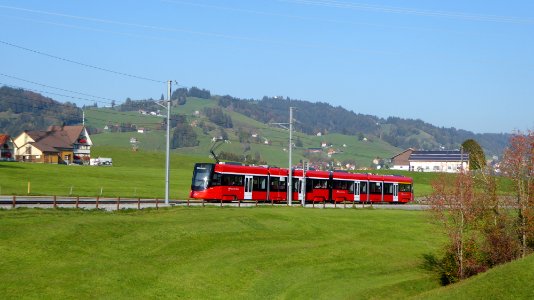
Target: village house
[57,144]
[6,148]
[448,161]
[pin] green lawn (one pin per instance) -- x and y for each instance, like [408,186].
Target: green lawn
[133,174]
[511,281]
[215,252]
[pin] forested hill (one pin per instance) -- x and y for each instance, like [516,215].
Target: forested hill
[312,118]
[24,110]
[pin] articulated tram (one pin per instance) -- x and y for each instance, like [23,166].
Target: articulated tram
[232,182]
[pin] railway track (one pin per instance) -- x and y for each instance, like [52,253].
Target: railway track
[105,203]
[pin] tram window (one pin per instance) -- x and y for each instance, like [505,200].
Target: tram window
[363,187]
[320,183]
[259,183]
[388,188]
[351,187]
[232,180]
[375,188]
[342,185]
[277,184]
[403,187]
[216,179]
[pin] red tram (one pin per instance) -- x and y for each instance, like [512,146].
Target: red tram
[231,182]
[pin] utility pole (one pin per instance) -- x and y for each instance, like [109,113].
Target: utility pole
[290,178]
[167,158]
[290,183]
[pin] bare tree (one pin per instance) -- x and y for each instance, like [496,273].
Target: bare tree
[518,164]
[455,206]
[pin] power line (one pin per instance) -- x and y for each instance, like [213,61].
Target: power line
[80,63]
[52,93]
[49,86]
[411,11]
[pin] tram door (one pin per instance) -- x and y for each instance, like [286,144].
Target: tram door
[301,189]
[395,192]
[248,187]
[356,191]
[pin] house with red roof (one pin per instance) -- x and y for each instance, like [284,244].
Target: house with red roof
[56,144]
[6,148]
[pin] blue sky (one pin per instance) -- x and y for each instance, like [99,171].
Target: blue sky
[462,64]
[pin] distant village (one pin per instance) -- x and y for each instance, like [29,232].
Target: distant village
[72,145]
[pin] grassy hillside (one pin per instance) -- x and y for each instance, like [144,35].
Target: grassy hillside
[100,117]
[511,281]
[275,153]
[228,253]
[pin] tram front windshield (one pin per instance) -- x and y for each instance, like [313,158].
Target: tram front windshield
[201,176]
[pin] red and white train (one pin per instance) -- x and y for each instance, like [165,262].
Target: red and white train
[231,182]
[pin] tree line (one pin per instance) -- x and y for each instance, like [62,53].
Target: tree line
[25,110]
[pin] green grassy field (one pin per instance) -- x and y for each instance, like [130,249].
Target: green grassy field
[133,174]
[510,281]
[213,252]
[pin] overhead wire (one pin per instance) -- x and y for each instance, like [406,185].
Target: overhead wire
[80,63]
[411,11]
[61,89]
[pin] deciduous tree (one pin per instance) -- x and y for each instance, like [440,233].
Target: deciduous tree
[518,165]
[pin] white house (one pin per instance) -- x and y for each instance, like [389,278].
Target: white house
[452,161]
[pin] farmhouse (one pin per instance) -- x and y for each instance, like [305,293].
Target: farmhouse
[448,161]
[58,144]
[6,148]
[452,161]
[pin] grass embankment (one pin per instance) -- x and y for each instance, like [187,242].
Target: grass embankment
[215,253]
[510,281]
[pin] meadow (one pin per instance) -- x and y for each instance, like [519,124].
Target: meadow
[224,253]
[133,174]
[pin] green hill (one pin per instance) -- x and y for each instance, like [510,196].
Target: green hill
[271,142]
[514,280]
[25,110]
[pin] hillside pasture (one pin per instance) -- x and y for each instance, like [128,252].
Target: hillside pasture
[226,253]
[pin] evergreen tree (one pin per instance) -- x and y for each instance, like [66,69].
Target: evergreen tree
[477,158]
[184,136]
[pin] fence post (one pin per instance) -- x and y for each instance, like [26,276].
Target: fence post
[324,203]
[221,202]
[335,204]
[97,199]
[138,202]
[238,203]
[203,203]
[344,204]
[118,202]
[14,201]
[187,202]
[272,201]
[256,203]
[157,203]
[353,203]
[77,201]
[313,204]
[55,201]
